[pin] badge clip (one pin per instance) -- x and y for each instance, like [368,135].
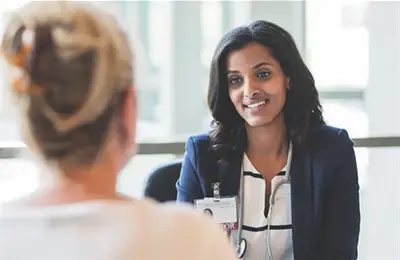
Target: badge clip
[216,190]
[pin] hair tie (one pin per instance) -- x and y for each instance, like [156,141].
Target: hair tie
[20,85]
[20,60]
[21,48]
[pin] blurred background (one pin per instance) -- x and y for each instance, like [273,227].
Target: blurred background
[351,47]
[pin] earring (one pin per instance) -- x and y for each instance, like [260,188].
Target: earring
[289,84]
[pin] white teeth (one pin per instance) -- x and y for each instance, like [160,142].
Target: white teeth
[258,104]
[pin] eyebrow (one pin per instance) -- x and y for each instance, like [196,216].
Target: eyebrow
[254,67]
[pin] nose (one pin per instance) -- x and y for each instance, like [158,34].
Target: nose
[250,89]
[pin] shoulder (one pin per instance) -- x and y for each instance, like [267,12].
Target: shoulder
[182,218]
[189,220]
[137,227]
[333,149]
[198,149]
[199,142]
[330,132]
[331,146]
[190,230]
[198,163]
[331,138]
[179,220]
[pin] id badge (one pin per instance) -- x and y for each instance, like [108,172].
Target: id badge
[222,210]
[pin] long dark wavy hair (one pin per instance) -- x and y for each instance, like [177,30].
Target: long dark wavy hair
[302,110]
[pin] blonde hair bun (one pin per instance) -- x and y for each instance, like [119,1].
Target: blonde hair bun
[48,38]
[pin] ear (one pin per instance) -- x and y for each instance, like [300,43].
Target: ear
[129,118]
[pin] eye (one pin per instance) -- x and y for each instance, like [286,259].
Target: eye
[234,80]
[263,75]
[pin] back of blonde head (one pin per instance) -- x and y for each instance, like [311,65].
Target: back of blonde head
[73,67]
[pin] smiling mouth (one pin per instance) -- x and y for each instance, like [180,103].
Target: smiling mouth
[258,104]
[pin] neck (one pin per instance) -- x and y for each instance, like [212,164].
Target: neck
[268,140]
[68,186]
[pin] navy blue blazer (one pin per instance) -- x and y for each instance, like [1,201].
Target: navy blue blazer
[324,184]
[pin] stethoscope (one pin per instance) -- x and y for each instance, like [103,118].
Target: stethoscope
[241,245]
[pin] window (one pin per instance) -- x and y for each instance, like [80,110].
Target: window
[337,42]
[211,17]
[157,18]
[352,51]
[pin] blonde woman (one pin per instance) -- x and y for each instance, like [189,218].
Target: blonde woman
[73,78]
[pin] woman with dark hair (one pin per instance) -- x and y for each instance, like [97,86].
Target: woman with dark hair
[294,177]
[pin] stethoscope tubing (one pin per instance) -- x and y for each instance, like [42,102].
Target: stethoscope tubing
[240,239]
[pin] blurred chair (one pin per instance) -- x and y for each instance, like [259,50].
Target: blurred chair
[160,184]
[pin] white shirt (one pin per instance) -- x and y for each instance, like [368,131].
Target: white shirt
[255,222]
[106,230]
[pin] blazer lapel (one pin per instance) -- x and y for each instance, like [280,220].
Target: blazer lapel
[301,195]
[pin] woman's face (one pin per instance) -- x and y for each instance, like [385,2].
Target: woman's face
[257,85]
